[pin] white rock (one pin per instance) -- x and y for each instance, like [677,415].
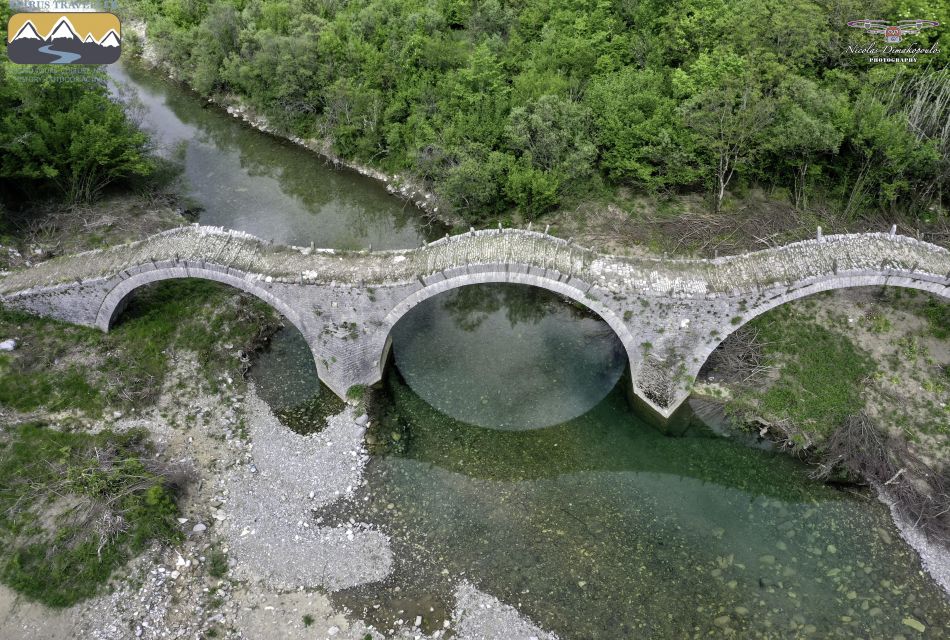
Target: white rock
[8,345]
[198,528]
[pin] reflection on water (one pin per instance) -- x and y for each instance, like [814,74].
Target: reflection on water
[265,186]
[507,356]
[600,526]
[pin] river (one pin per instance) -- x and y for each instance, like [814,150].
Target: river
[507,454]
[264,185]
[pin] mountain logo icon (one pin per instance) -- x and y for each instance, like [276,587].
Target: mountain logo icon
[53,38]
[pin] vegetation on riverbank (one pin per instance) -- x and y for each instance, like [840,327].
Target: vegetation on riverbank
[74,507]
[516,109]
[77,503]
[67,141]
[80,371]
[857,382]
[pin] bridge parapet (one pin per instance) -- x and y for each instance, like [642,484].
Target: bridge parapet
[670,313]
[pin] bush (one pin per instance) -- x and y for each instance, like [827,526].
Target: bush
[533,191]
[74,507]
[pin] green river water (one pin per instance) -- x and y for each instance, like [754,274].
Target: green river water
[505,452]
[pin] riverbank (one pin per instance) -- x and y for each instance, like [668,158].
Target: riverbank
[242,520]
[51,229]
[796,374]
[401,186]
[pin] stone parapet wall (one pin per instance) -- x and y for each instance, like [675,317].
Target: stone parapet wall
[670,314]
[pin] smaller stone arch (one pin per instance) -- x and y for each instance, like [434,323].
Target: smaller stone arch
[114,301]
[920,282]
[122,287]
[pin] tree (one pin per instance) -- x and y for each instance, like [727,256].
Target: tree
[730,124]
[639,131]
[810,121]
[551,139]
[68,137]
[474,184]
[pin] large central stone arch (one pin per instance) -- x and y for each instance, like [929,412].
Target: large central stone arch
[570,288]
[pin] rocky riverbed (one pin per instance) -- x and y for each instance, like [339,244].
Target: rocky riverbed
[254,562]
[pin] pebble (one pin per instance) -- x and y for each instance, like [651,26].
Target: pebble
[362,420]
[8,345]
[914,624]
[198,528]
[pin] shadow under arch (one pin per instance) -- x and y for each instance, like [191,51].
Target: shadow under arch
[559,287]
[826,284]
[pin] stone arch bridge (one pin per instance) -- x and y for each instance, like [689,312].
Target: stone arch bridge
[670,314]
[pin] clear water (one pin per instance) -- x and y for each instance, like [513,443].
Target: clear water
[552,494]
[529,359]
[276,190]
[277,371]
[600,526]
[604,528]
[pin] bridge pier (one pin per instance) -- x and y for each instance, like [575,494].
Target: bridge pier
[670,314]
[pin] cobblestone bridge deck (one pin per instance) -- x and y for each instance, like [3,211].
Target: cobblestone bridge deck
[669,313]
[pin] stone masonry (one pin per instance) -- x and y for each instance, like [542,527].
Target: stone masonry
[670,313]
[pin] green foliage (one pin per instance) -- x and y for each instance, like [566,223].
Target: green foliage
[937,313]
[880,324]
[217,563]
[357,392]
[638,129]
[527,105]
[821,378]
[74,507]
[195,315]
[65,138]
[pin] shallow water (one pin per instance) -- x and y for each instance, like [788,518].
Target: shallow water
[603,528]
[600,526]
[250,181]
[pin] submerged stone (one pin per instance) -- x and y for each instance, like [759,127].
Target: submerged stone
[914,624]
